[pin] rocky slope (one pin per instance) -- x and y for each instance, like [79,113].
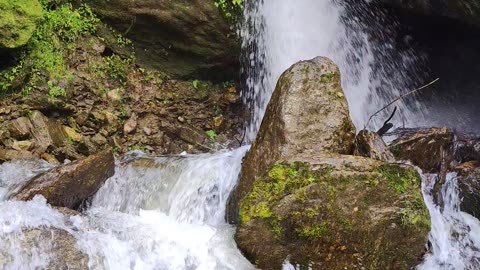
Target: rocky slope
[76,87]
[182,38]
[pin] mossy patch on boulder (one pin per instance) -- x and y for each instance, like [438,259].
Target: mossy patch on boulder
[341,212]
[18,21]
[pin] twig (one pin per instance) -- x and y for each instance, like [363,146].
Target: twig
[398,98]
[131,25]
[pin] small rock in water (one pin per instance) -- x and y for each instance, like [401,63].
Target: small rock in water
[69,185]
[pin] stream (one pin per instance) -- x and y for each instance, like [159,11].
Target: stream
[169,212]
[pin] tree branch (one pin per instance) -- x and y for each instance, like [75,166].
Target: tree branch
[398,98]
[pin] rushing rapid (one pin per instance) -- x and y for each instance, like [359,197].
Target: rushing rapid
[162,213]
[455,235]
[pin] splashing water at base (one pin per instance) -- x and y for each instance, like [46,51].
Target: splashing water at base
[163,213]
[455,235]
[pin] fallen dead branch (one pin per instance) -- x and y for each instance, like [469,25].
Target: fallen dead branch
[399,98]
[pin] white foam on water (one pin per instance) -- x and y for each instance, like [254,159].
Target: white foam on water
[168,214]
[455,235]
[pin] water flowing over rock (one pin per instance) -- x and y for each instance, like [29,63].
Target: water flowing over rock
[182,38]
[69,185]
[302,196]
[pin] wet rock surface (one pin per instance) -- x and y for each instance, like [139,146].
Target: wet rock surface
[426,148]
[370,144]
[60,244]
[468,179]
[70,185]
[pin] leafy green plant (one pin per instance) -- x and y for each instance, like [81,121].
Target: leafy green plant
[116,68]
[55,91]
[229,8]
[211,134]
[53,38]
[137,147]
[195,84]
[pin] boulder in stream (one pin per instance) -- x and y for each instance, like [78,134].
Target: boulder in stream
[303,197]
[69,185]
[426,148]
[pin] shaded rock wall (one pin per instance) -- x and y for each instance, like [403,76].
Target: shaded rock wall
[182,38]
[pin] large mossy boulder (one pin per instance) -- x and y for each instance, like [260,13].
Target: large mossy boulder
[338,212]
[303,197]
[180,37]
[18,21]
[307,114]
[70,185]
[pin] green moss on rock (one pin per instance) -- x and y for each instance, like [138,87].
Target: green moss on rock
[18,21]
[323,214]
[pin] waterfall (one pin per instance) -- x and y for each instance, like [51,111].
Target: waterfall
[455,235]
[279,33]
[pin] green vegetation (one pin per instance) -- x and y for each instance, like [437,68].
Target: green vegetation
[44,55]
[283,179]
[211,134]
[313,231]
[231,9]
[137,147]
[116,68]
[55,91]
[407,182]
[18,21]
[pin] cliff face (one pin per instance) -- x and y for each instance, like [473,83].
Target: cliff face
[182,38]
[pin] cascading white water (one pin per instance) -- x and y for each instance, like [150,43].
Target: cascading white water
[167,215]
[278,33]
[455,235]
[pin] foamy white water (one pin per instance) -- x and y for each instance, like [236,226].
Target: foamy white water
[455,235]
[168,214]
[279,33]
